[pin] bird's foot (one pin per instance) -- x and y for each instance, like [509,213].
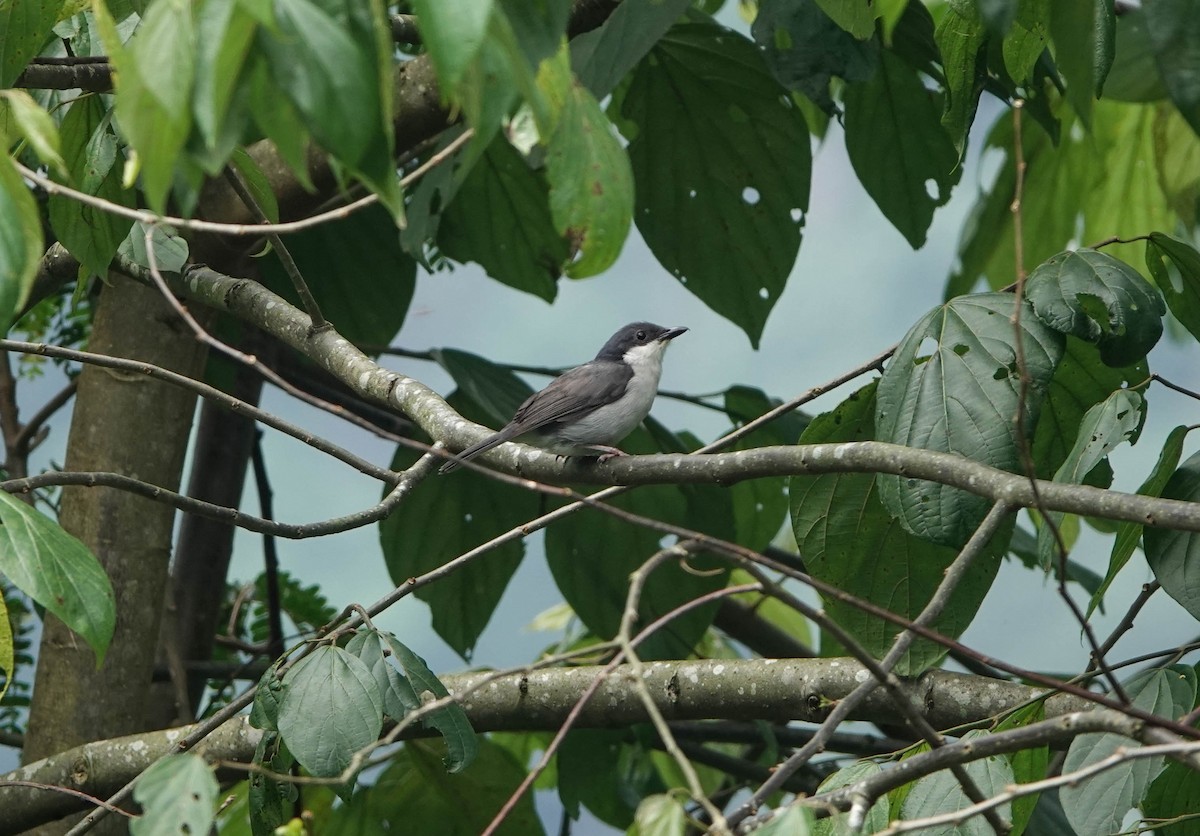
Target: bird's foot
[605,453]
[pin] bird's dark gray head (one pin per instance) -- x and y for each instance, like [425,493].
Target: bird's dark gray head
[635,334]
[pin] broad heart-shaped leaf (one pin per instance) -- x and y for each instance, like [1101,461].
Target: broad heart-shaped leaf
[876,817]
[155,71]
[1174,28]
[898,147]
[57,571]
[91,235]
[848,539]
[1084,41]
[399,698]
[1130,534]
[1095,297]
[357,272]
[721,208]
[500,218]
[1116,419]
[602,57]
[1098,804]
[25,28]
[591,184]
[178,794]
[1183,299]
[448,519]
[452,31]
[331,709]
[20,242]
[1080,382]
[1174,556]
[961,399]
[805,49]
[416,789]
[494,388]
[462,744]
[941,793]
[591,559]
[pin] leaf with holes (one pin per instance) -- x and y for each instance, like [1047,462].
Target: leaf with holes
[177,794]
[1100,299]
[960,396]
[1183,298]
[1174,556]
[721,203]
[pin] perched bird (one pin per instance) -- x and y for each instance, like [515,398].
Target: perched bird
[588,409]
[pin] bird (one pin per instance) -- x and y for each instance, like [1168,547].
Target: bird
[587,410]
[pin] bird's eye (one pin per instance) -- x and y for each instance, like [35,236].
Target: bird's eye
[641,336]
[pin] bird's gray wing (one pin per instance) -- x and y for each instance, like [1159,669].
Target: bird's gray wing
[573,394]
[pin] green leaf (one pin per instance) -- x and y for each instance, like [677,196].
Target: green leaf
[660,815]
[1098,803]
[848,539]
[1174,28]
[355,268]
[1080,382]
[1083,33]
[462,744]
[961,398]
[494,388]
[416,789]
[1174,556]
[331,709]
[399,698]
[154,77]
[898,147]
[1130,534]
[225,31]
[453,31]
[256,182]
[804,49]
[604,56]
[999,15]
[278,119]
[855,17]
[941,793]
[875,819]
[591,184]
[793,821]
[57,571]
[500,218]
[177,794]
[8,664]
[1183,296]
[1106,425]
[170,250]
[961,36]
[1177,163]
[1135,76]
[748,177]
[433,527]
[1097,298]
[1028,765]
[90,234]
[1172,798]
[594,772]
[35,124]
[20,242]
[25,26]
[264,713]
[270,803]
[1026,41]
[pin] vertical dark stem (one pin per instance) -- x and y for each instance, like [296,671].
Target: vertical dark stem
[270,555]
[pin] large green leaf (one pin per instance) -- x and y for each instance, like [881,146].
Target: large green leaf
[500,218]
[20,242]
[961,398]
[1084,40]
[742,178]
[330,710]
[941,793]
[602,57]
[178,794]
[1130,534]
[372,649]
[225,31]
[856,18]
[91,235]
[155,74]
[357,272]
[847,538]
[805,48]
[1028,765]
[493,388]
[875,819]
[1098,804]
[57,571]
[1116,419]
[1174,27]
[434,526]
[898,147]
[453,31]
[1172,798]
[25,26]
[1174,556]
[1096,297]
[19,110]
[1134,76]
[416,789]
[961,36]
[1183,299]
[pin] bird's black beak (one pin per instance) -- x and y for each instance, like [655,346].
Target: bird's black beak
[671,334]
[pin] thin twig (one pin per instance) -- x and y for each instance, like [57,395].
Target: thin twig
[270,555]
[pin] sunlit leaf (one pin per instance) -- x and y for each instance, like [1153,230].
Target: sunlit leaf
[177,794]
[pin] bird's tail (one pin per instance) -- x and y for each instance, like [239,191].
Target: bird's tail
[475,449]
